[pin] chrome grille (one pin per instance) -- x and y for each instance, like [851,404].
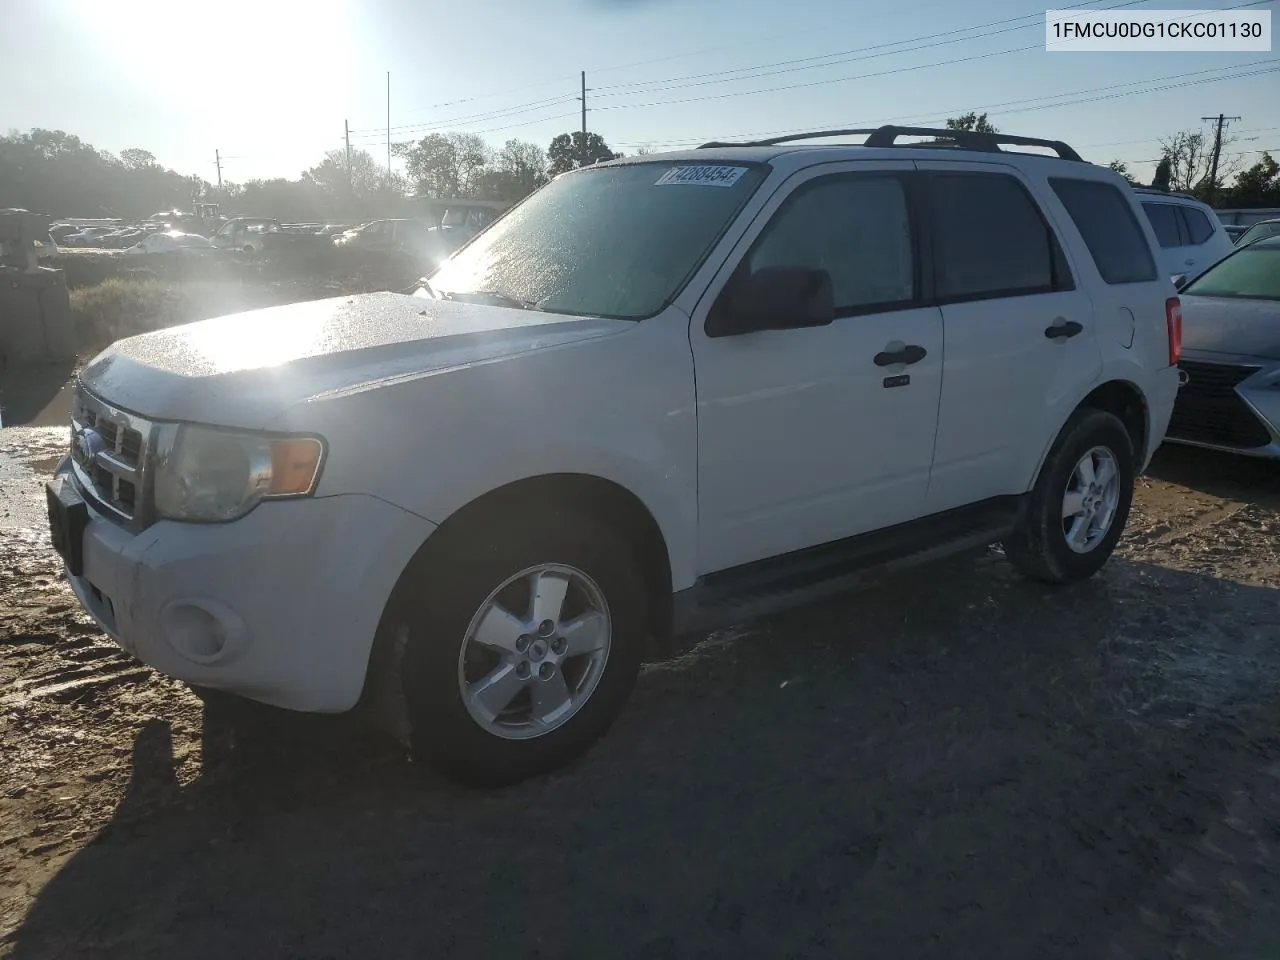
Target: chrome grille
[109,457]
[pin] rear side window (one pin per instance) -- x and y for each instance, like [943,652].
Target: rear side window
[991,239]
[1164,221]
[1199,229]
[1104,217]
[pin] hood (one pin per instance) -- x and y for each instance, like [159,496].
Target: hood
[244,370]
[1247,328]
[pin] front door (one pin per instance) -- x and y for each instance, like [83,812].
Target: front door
[806,436]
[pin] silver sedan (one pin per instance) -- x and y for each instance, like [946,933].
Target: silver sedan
[1230,394]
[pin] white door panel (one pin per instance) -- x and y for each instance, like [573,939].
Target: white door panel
[802,438]
[800,442]
[1004,280]
[1005,385]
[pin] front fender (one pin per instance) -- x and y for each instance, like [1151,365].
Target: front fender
[620,408]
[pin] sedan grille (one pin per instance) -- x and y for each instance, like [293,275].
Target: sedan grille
[1208,409]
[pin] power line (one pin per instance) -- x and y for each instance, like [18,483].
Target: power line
[754,71]
[776,68]
[610,68]
[1009,106]
[864,76]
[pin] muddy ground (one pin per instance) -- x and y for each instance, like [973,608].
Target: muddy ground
[957,763]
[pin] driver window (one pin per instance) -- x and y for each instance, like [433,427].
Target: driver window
[856,228]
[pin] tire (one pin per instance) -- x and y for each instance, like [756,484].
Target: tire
[1041,546]
[440,661]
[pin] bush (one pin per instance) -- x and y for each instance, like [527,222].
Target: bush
[125,306]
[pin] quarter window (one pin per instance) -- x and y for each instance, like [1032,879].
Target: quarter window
[991,239]
[857,228]
[1199,229]
[1104,216]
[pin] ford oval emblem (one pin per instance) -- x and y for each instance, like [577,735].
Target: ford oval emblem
[87,444]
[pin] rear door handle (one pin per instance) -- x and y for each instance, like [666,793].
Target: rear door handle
[1062,329]
[912,353]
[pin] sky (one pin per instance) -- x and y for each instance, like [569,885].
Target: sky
[268,84]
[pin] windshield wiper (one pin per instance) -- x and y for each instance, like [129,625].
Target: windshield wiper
[490,296]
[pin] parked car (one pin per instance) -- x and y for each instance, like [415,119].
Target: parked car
[1263,228]
[1192,238]
[86,237]
[171,242]
[406,235]
[1230,396]
[662,394]
[255,236]
[1235,231]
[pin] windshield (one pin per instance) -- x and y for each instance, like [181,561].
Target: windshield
[1250,274]
[1257,232]
[613,241]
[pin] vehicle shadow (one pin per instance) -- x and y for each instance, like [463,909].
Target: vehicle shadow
[956,763]
[1218,474]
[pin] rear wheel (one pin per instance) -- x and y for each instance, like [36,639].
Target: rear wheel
[1080,502]
[522,652]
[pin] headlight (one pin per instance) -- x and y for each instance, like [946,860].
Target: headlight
[206,474]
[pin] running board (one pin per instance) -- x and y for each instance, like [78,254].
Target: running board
[771,586]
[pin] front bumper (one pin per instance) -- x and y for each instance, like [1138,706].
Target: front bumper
[280,606]
[1228,403]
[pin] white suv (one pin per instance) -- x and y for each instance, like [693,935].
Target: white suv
[659,395]
[1191,236]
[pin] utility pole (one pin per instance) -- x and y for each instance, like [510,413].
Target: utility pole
[1220,119]
[388,133]
[346,134]
[584,105]
[217,159]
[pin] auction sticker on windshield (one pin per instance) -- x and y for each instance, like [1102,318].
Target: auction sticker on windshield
[703,175]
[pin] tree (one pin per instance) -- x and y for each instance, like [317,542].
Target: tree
[515,171]
[365,180]
[444,165]
[1190,156]
[970,122]
[973,122]
[1164,172]
[571,150]
[1258,186]
[1122,168]
[135,158]
[56,173]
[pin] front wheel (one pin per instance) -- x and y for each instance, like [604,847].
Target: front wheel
[1080,503]
[522,651]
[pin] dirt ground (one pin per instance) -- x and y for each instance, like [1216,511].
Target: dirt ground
[957,763]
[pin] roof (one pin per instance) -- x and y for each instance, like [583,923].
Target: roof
[1266,243]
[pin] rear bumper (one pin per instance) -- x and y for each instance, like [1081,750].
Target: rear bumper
[280,606]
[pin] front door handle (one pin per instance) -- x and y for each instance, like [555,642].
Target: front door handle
[1062,329]
[909,354]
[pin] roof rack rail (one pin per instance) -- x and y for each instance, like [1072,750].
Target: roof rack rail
[1139,188]
[887,135]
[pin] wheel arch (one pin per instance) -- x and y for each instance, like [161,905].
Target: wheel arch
[1119,396]
[580,492]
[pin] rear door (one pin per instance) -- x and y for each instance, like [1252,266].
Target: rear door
[1207,242]
[1020,338]
[1171,232]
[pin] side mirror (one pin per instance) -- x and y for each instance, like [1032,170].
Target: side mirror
[774,298]
[1180,281]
